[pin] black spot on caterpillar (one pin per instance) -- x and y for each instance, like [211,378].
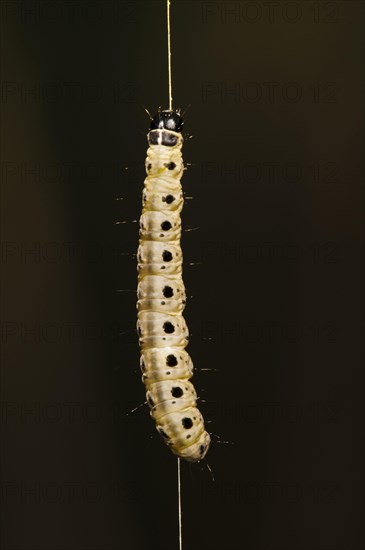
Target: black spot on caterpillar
[169,199]
[166,256]
[168,292]
[168,327]
[187,423]
[176,392]
[171,361]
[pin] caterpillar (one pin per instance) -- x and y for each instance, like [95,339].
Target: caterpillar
[163,334]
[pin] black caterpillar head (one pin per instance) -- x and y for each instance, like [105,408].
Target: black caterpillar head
[168,120]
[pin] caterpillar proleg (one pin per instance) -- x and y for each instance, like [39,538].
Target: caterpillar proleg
[163,333]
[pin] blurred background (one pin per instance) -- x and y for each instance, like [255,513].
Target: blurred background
[276,287]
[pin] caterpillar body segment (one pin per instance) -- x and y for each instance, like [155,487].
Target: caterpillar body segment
[157,330]
[156,258]
[162,201]
[158,364]
[163,334]
[157,293]
[160,226]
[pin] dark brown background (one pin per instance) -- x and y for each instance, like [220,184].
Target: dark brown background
[275,90]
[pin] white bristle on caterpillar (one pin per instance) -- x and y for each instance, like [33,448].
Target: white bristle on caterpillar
[163,333]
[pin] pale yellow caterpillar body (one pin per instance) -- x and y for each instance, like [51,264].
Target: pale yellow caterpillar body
[163,334]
